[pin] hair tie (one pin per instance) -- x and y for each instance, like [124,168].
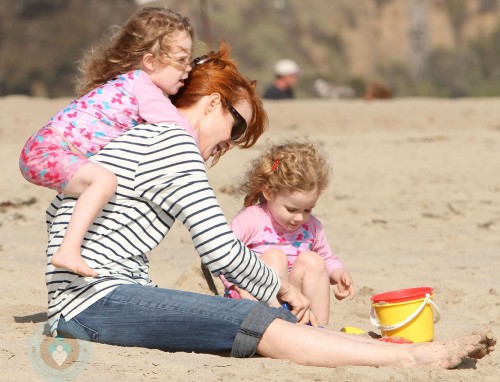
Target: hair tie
[275,165]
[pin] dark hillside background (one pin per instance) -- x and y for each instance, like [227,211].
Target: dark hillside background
[437,48]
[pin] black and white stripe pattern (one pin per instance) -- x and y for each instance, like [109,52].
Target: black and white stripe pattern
[162,178]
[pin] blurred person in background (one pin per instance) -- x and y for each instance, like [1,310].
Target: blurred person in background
[286,75]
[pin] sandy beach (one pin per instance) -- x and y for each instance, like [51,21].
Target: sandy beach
[414,201]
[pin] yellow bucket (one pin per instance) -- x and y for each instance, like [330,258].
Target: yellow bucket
[407,313]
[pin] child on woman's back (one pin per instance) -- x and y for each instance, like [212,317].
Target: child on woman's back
[122,85]
[282,188]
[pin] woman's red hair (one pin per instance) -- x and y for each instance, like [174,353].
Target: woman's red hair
[219,74]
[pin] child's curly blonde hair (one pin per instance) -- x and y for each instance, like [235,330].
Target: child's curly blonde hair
[284,169]
[149,30]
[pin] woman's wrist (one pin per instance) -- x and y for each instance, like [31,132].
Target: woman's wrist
[284,290]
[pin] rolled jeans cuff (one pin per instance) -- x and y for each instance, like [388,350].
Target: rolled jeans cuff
[253,327]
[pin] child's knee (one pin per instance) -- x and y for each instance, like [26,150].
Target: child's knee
[312,261]
[275,256]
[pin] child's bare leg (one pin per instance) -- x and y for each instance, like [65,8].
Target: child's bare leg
[95,186]
[309,276]
[321,347]
[276,260]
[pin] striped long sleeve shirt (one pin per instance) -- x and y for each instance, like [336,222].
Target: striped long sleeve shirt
[161,178]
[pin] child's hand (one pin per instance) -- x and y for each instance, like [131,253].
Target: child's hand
[344,285]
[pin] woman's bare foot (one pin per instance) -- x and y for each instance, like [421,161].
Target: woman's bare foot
[487,344]
[450,354]
[72,262]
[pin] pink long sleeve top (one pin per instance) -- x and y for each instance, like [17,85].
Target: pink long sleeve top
[256,227]
[92,121]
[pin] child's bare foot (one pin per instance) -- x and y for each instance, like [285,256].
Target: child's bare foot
[72,262]
[450,354]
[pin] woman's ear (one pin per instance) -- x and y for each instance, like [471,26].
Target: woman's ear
[214,100]
[148,61]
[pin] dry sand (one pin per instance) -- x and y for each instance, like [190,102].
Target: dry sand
[414,202]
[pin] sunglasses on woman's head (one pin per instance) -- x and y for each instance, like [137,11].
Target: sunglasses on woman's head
[202,59]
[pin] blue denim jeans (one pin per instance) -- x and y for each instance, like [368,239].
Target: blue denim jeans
[172,320]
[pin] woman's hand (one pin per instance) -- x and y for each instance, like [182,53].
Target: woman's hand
[301,306]
[344,284]
[244,294]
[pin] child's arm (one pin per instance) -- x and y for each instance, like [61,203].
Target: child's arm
[321,247]
[154,106]
[339,276]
